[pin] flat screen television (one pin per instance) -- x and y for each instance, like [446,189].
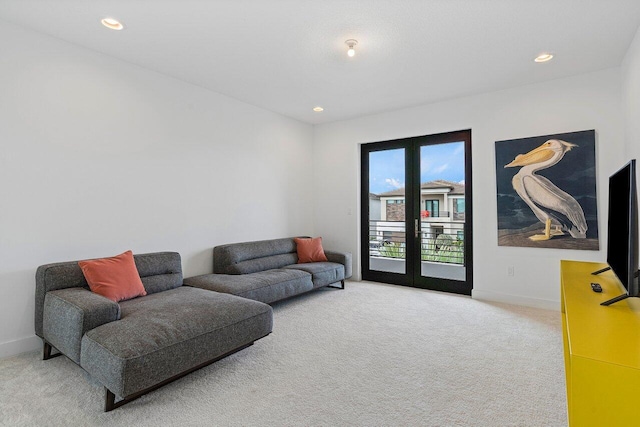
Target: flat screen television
[622,230]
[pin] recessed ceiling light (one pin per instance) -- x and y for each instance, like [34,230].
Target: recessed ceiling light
[318,109]
[112,24]
[544,57]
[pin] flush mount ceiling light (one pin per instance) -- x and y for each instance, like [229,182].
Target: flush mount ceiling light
[112,24]
[318,109]
[544,57]
[351,43]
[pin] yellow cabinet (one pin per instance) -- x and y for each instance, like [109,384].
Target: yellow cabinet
[601,348]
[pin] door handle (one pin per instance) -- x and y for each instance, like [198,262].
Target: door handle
[417,228]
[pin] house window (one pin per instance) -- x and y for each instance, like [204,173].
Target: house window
[458,209]
[433,207]
[460,235]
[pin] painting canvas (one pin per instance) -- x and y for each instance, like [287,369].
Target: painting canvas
[546,187]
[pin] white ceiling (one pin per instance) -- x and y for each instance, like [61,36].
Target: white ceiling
[289,55]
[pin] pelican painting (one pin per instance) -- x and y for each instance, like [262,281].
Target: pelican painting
[551,205]
[549,181]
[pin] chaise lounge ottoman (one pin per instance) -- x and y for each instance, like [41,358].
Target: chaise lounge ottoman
[135,346]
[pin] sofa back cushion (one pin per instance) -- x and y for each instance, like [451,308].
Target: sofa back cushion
[159,272]
[251,257]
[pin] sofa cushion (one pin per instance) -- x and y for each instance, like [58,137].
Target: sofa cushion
[322,273]
[115,277]
[167,333]
[159,271]
[261,264]
[310,250]
[267,286]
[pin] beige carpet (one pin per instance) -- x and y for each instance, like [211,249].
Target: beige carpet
[371,355]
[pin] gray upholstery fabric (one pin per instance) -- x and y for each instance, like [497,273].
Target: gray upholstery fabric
[343,258]
[267,286]
[262,264]
[52,277]
[225,257]
[322,273]
[69,313]
[258,267]
[164,334]
[159,271]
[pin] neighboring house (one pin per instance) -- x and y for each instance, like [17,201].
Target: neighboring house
[442,211]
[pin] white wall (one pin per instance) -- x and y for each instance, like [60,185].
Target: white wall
[591,101]
[631,95]
[98,156]
[631,99]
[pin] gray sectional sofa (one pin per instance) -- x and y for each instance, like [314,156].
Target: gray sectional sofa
[268,271]
[135,346]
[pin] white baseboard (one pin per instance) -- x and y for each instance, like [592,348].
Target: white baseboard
[23,345]
[516,299]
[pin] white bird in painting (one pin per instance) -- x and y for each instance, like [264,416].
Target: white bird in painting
[551,205]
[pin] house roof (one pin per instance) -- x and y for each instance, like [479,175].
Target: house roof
[454,187]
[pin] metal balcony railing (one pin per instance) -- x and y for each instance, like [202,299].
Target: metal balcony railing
[458,216]
[387,239]
[434,214]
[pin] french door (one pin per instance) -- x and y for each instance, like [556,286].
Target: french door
[416,210]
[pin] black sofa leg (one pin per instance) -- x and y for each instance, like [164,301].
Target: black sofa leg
[110,399]
[338,287]
[46,351]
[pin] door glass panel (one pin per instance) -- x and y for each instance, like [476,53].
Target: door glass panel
[387,213]
[442,222]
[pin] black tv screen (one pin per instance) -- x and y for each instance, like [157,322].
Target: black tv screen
[622,241]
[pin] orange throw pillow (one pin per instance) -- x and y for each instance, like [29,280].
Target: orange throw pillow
[310,250]
[116,278]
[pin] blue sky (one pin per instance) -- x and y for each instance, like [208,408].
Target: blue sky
[440,161]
